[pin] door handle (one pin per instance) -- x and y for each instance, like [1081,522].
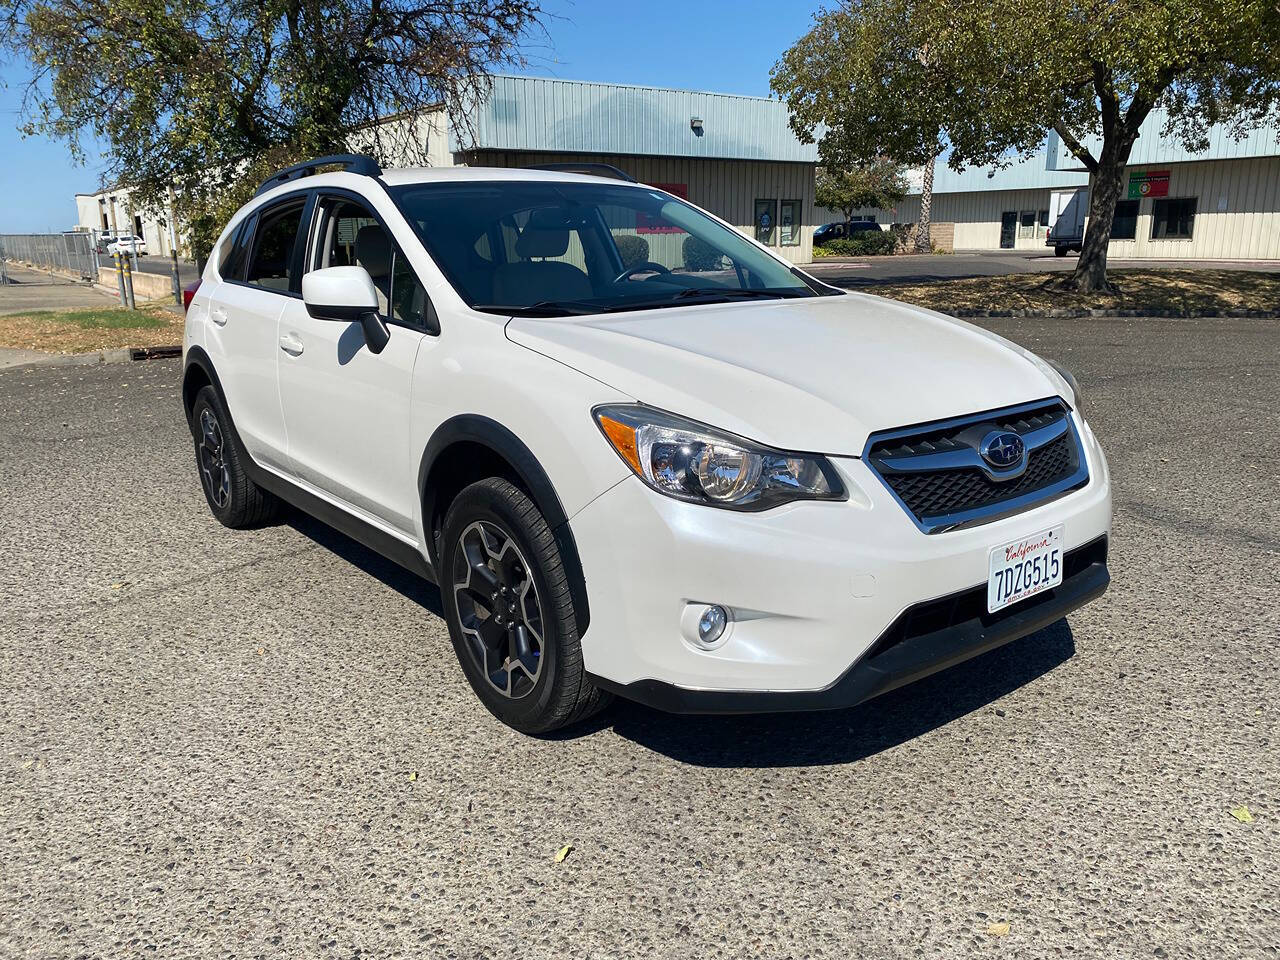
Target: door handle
[291,345]
[218,316]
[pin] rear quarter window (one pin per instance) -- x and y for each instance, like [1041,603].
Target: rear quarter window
[232,265]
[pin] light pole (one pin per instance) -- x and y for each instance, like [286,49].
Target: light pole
[173,252]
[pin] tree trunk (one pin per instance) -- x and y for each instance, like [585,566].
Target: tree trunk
[1105,187]
[923,243]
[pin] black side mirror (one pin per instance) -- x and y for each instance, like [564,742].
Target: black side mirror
[376,334]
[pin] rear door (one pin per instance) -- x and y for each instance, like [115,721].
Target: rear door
[346,408]
[262,276]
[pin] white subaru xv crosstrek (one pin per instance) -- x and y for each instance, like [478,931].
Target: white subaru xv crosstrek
[638,452]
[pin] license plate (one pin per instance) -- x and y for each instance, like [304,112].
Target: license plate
[1023,568]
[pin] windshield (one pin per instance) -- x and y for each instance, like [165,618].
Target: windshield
[557,249]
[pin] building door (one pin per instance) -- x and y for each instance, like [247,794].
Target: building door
[1008,229]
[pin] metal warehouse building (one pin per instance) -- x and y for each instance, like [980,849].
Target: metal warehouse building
[735,156]
[1220,204]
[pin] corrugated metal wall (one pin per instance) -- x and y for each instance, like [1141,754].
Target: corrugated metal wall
[1237,212]
[976,215]
[727,188]
[542,114]
[1153,146]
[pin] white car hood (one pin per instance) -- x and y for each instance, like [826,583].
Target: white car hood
[816,374]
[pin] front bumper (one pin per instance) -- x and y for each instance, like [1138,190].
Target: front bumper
[902,654]
[811,587]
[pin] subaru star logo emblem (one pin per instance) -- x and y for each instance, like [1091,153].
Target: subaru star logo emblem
[1002,450]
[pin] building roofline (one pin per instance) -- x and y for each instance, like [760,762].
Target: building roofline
[636,86]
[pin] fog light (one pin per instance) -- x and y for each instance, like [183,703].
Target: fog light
[711,624]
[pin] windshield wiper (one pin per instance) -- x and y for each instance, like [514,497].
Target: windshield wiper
[543,308]
[580,308]
[734,292]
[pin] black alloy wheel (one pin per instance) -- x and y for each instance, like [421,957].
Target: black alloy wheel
[498,609]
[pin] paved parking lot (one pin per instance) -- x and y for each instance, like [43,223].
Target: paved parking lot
[218,744]
[30,290]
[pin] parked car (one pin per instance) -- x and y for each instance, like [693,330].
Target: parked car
[706,481]
[832,231]
[128,244]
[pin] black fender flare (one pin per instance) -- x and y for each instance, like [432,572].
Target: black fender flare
[474,428]
[197,357]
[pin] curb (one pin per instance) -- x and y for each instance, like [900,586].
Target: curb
[1079,313]
[98,357]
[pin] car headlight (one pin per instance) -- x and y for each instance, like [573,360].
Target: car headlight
[1077,400]
[689,461]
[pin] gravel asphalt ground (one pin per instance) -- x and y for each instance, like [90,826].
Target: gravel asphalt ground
[218,744]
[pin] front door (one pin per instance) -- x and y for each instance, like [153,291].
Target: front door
[346,408]
[1008,229]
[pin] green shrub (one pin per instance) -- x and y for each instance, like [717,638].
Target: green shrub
[869,243]
[632,249]
[700,255]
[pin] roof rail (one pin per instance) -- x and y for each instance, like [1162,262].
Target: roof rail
[589,169]
[359,163]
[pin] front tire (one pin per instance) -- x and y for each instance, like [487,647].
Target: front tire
[510,611]
[234,499]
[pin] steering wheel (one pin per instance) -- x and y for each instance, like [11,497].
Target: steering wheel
[645,266]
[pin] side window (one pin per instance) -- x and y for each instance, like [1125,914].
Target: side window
[232,266]
[350,235]
[271,265]
[342,225]
[408,298]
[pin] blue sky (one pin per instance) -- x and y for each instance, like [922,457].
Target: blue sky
[719,45]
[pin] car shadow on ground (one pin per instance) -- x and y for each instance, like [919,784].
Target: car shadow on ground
[779,739]
[407,584]
[842,736]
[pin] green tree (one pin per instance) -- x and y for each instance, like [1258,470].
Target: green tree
[209,96]
[988,81]
[878,184]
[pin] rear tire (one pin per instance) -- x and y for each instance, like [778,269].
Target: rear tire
[234,499]
[1059,251]
[510,610]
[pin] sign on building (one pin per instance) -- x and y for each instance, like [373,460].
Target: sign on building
[1148,183]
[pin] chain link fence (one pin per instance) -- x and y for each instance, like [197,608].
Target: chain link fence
[72,254]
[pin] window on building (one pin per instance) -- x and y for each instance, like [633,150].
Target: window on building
[1125,224]
[1026,224]
[1042,220]
[789,223]
[766,221]
[1172,219]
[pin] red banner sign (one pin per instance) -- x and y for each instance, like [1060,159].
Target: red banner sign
[648,224]
[1148,183]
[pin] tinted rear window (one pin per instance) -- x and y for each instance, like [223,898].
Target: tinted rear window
[232,266]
